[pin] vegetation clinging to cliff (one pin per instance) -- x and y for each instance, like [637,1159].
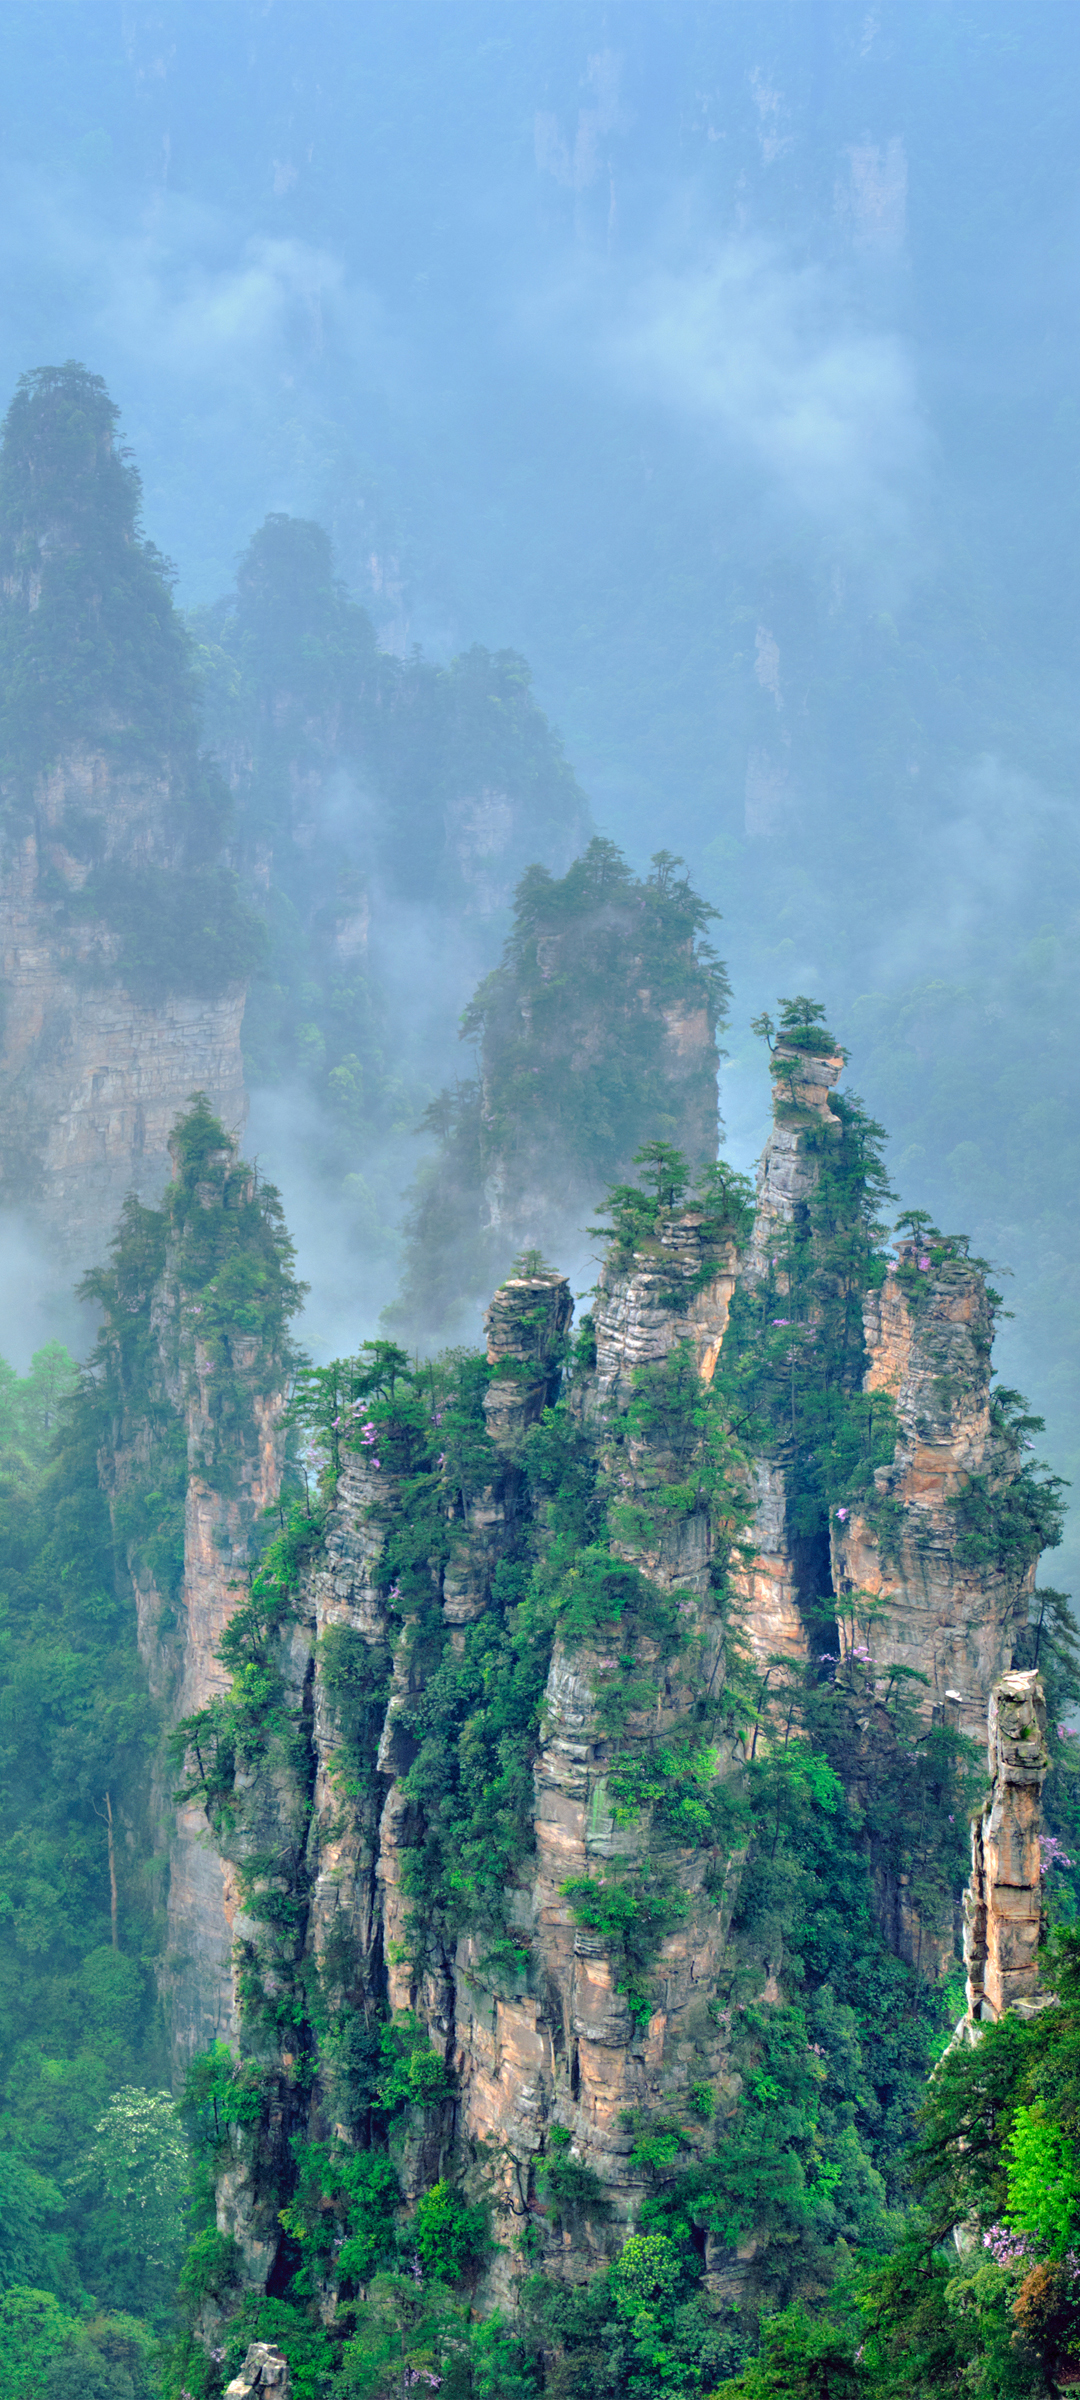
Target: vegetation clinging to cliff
[596,1033]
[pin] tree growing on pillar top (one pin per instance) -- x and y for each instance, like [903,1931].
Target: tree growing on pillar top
[597,1034]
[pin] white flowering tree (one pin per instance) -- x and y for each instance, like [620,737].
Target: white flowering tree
[138,2162]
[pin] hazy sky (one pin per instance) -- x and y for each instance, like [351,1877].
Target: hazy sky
[720,357]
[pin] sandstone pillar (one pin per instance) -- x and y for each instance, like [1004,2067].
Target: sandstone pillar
[1003,1900]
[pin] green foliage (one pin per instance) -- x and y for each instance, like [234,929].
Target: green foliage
[308,2347]
[77,2019]
[233,1291]
[631,1921]
[410,2333]
[33,2329]
[1043,2182]
[452,2235]
[793,1362]
[802,2358]
[47,2355]
[1008,1527]
[565,1111]
[572,2191]
[343,2213]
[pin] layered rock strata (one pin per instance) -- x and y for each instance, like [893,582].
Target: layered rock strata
[544,2031]
[903,1589]
[222,1398]
[1003,1902]
[563,2047]
[790,1162]
[676,1289]
[770,1575]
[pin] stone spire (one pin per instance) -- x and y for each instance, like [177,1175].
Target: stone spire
[1002,1903]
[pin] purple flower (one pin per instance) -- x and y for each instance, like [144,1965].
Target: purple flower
[923,1265]
[1009,2249]
[1051,1853]
[842,1514]
[827,1658]
[781,1320]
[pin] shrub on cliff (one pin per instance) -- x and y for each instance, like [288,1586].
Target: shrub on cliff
[595,1035]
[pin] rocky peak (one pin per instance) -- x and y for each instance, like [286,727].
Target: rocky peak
[526,1327]
[802,1080]
[124,949]
[916,1582]
[677,1287]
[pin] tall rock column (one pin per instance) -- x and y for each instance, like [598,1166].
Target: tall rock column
[569,2050]
[788,1170]
[194,1359]
[1003,1902]
[124,948]
[913,1581]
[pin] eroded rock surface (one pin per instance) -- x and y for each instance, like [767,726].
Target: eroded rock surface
[1003,1902]
[92,1079]
[899,1569]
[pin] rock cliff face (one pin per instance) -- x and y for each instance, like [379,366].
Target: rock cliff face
[590,1994]
[1003,1903]
[92,1079]
[912,1591]
[124,952]
[194,1460]
[791,1160]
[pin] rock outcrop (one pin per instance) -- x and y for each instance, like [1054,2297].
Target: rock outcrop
[195,1460]
[909,1587]
[265,2369]
[124,951]
[93,1078]
[771,1575]
[1003,1902]
[558,2037]
[802,1080]
[677,1288]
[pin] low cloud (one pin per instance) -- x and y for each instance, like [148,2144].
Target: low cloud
[771,360]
